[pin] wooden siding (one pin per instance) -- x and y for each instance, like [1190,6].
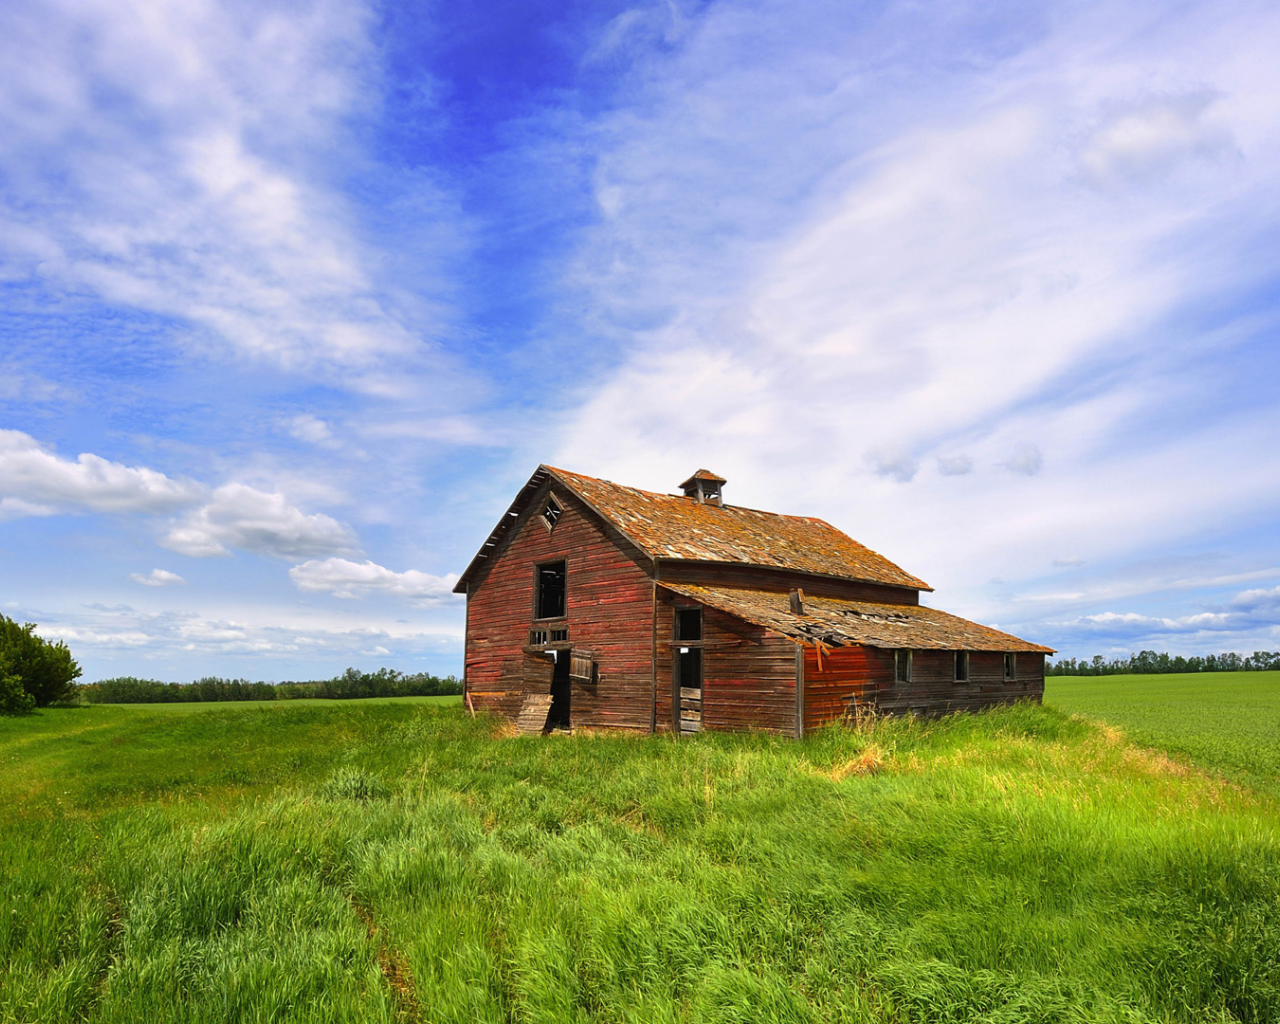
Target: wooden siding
[748,672]
[851,676]
[608,612]
[721,574]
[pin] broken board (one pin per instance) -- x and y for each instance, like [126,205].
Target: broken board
[533,714]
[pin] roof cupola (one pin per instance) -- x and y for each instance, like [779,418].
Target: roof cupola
[704,487]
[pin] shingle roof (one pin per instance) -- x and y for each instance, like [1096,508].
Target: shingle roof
[673,526]
[840,623]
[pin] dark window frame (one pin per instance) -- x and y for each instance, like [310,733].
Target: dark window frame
[538,605]
[1010,667]
[961,674]
[902,660]
[549,523]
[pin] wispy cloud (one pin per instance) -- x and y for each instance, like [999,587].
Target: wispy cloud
[186,160]
[943,271]
[156,578]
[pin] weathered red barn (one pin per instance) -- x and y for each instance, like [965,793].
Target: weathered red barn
[593,604]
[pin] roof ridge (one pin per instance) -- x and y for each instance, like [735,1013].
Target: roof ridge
[681,497]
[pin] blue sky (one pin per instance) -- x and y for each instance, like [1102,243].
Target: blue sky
[293,297]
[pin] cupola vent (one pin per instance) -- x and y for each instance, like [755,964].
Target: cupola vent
[704,487]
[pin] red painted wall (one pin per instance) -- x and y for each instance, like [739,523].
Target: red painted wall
[609,611]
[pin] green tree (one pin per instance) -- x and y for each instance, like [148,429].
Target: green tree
[46,670]
[14,700]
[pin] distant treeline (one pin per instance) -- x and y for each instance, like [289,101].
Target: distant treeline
[1149,662]
[351,684]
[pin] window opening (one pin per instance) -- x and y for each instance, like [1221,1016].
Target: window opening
[551,590]
[537,637]
[551,513]
[1010,666]
[902,666]
[689,624]
[559,635]
[962,666]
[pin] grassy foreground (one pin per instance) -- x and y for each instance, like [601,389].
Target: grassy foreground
[1229,721]
[400,861]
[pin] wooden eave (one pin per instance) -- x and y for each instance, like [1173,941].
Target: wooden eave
[501,535]
[836,622]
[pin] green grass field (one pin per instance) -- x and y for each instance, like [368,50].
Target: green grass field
[1228,721]
[399,861]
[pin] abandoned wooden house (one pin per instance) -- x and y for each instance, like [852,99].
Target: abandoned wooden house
[593,604]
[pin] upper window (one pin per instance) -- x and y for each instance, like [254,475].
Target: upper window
[552,512]
[551,590]
[1011,666]
[689,624]
[962,666]
[902,666]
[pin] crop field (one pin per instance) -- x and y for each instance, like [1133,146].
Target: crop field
[1228,721]
[400,861]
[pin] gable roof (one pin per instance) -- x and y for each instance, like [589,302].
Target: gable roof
[839,623]
[671,526]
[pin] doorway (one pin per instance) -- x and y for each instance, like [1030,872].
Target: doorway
[561,690]
[688,690]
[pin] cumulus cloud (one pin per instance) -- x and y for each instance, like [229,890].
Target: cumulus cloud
[298,641]
[309,428]
[1026,460]
[955,465]
[35,481]
[1146,138]
[344,578]
[156,578]
[247,519]
[893,463]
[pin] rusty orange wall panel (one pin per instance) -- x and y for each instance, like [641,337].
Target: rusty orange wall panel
[862,675]
[848,676]
[608,612]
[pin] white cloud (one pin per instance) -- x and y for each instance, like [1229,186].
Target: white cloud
[256,640]
[1026,460]
[914,267]
[893,463]
[1144,139]
[309,428]
[247,519]
[182,159]
[34,481]
[955,465]
[16,508]
[344,578]
[156,578]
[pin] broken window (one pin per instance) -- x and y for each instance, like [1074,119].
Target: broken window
[1011,666]
[902,666]
[551,591]
[551,512]
[962,666]
[689,624]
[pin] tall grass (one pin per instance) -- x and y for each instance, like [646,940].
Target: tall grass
[401,862]
[1229,721]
